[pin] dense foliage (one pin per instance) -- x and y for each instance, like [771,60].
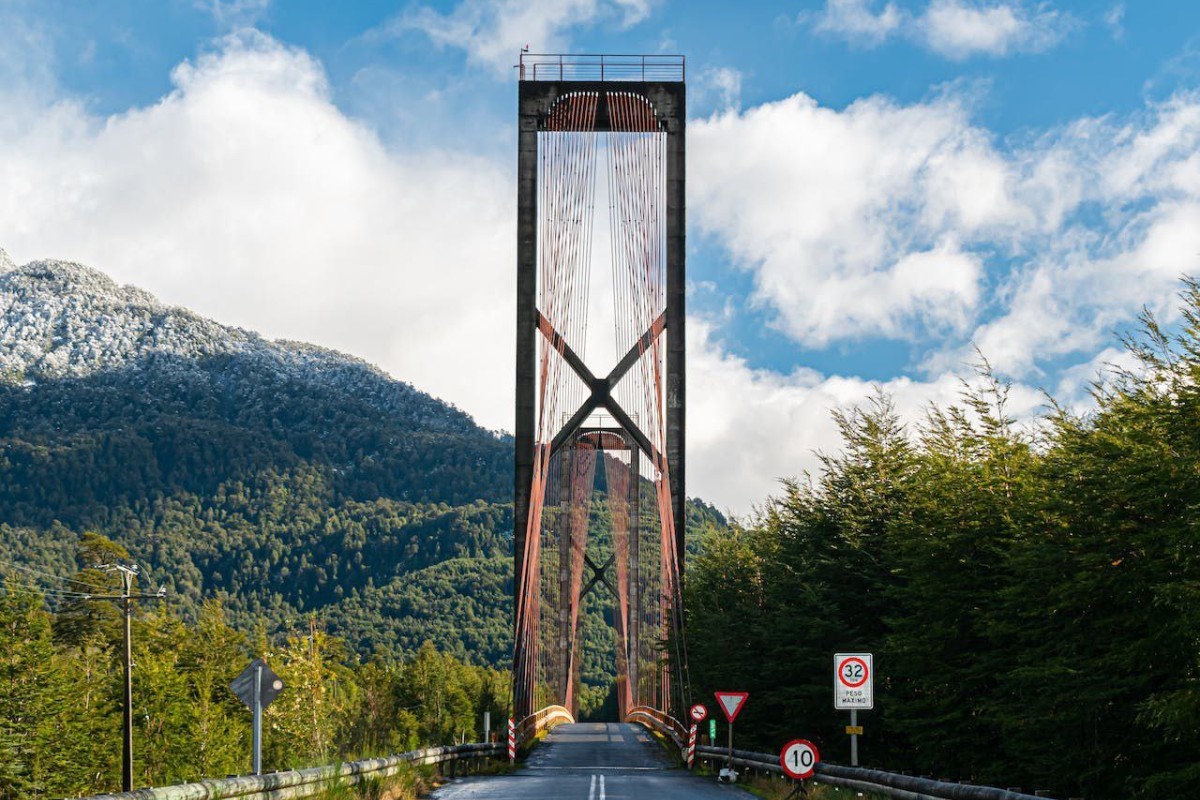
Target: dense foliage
[276,478]
[359,527]
[61,685]
[1032,597]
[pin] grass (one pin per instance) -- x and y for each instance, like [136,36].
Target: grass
[776,788]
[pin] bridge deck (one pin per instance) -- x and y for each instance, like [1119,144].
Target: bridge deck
[593,761]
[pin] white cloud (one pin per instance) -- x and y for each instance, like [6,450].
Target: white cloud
[748,428]
[26,60]
[717,86]
[955,29]
[1124,201]
[852,221]
[234,13]
[959,29]
[246,195]
[492,32]
[883,220]
[855,21]
[1114,18]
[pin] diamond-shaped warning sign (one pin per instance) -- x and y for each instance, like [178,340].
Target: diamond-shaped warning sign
[731,703]
[270,685]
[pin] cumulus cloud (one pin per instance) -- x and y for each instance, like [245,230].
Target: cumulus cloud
[958,29]
[748,428]
[911,222]
[885,220]
[1092,274]
[856,20]
[852,221]
[955,29]
[247,195]
[492,32]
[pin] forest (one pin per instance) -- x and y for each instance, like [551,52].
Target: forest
[61,691]
[1030,592]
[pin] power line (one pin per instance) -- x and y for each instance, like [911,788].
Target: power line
[16,586]
[44,574]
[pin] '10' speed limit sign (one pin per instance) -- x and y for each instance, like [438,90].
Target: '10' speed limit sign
[799,758]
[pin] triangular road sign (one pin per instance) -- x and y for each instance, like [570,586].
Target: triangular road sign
[731,703]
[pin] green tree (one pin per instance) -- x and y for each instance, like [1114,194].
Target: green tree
[305,718]
[38,739]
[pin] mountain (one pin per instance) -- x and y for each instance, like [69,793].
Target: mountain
[280,477]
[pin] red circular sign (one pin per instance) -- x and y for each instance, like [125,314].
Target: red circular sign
[698,713]
[799,759]
[853,672]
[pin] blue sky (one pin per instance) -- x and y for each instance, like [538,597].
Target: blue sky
[875,188]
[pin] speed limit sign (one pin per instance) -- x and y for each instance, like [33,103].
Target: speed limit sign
[799,758]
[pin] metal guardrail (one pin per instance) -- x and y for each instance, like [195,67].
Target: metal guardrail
[658,721]
[542,720]
[307,782]
[888,784]
[562,67]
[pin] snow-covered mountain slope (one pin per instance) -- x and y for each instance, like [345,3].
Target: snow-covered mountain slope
[65,320]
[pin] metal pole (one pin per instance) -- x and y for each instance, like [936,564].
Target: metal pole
[731,745]
[258,719]
[487,726]
[127,749]
[854,738]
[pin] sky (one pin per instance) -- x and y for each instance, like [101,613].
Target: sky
[879,192]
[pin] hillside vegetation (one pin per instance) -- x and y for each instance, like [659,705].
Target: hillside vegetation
[1031,596]
[279,478]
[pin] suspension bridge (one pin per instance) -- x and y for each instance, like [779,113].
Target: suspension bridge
[599,460]
[574,423]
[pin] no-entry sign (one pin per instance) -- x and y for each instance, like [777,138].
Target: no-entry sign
[853,681]
[799,758]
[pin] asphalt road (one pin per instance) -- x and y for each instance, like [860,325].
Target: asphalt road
[593,761]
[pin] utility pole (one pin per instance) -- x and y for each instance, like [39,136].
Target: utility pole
[126,599]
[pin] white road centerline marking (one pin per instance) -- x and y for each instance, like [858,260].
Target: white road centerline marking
[601,787]
[592,790]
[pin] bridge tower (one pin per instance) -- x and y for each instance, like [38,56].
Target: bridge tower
[579,116]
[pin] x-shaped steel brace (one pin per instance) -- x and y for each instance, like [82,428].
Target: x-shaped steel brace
[601,388]
[599,575]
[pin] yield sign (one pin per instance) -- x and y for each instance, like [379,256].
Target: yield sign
[731,703]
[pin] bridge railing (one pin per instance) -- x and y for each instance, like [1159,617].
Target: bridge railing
[662,723]
[607,67]
[544,719]
[309,782]
[887,784]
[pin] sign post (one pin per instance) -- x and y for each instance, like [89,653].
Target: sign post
[257,686]
[512,740]
[853,689]
[731,704]
[698,714]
